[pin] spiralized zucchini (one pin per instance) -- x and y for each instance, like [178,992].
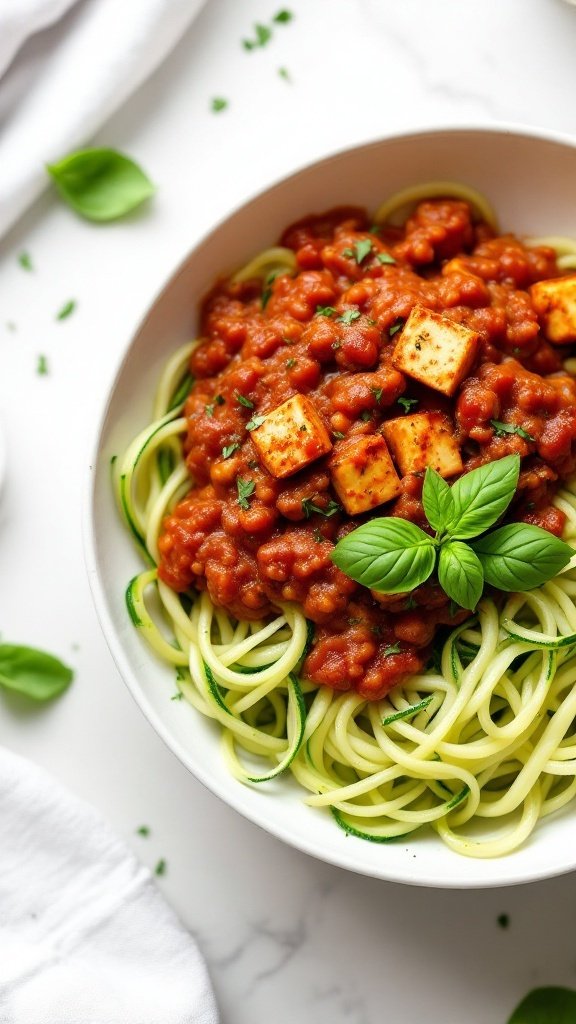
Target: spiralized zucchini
[479,748]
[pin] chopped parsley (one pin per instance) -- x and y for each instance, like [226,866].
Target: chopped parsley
[325,310]
[229,449]
[143,830]
[375,229]
[255,422]
[209,409]
[244,401]
[366,415]
[500,429]
[392,649]
[385,257]
[42,366]
[349,316]
[407,403]
[262,33]
[290,363]
[218,104]
[283,72]
[338,434]
[360,250]
[283,17]
[267,293]
[66,310]
[25,261]
[503,920]
[160,868]
[245,491]
[377,392]
[397,326]
[308,508]
[177,696]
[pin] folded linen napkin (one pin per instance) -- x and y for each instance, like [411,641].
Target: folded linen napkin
[66,66]
[85,935]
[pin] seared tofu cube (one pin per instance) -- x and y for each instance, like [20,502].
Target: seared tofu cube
[555,303]
[363,473]
[434,350]
[291,437]
[421,440]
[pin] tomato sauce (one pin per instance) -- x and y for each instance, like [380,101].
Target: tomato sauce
[328,333]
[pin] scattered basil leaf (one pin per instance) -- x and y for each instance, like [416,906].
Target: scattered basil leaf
[349,316]
[460,574]
[25,261]
[366,415]
[407,403]
[262,36]
[245,491]
[229,449]
[520,556]
[33,673]
[66,310]
[385,257]
[160,868]
[308,508]
[552,1005]
[244,401]
[389,555]
[255,422]
[325,310]
[437,500]
[500,429]
[100,184]
[42,366]
[482,496]
[283,16]
[218,104]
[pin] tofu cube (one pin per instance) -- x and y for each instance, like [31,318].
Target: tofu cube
[291,437]
[423,439]
[555,303]
[434,350]
[363,473]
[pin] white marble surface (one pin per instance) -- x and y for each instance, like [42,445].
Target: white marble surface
[287,938]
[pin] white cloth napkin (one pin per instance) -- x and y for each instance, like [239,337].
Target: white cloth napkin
[85,935]
[66,66]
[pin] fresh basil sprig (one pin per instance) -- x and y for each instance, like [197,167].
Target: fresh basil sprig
[552,1005]
[100,184]
[32,672]
[393,556]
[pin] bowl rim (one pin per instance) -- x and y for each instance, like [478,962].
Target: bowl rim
[514,875]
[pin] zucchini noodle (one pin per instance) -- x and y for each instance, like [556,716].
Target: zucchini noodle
[479,748]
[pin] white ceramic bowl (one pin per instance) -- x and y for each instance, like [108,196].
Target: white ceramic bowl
[530,179]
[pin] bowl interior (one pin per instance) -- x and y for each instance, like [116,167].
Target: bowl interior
[530,182]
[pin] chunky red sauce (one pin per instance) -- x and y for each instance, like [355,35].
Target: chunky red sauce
[274,546]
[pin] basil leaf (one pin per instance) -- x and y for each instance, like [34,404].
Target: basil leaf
[100,184]
[482,496]
[389,555]
[437,500]
[460,574]
[546,1006]
[520,556]
[33,673]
